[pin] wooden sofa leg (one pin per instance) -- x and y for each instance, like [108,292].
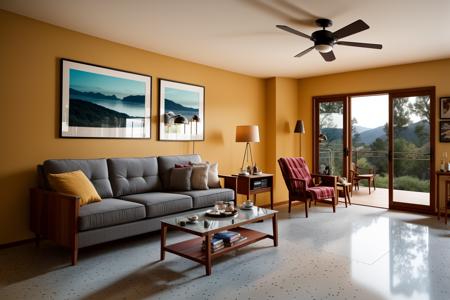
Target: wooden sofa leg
[74,256]
[289,209]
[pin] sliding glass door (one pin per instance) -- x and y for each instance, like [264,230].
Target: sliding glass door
[331,136]
[411,159]
[390,133]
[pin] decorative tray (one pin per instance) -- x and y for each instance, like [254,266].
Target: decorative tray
[222,214]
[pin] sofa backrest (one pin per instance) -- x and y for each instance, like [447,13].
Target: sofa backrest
[95,169]
[133,175]
[166,163]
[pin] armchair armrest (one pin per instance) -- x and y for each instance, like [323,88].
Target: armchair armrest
[55,216]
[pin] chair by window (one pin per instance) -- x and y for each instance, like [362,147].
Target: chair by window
[356,174]
[302,185]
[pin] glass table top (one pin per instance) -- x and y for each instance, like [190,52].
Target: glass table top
[243,216]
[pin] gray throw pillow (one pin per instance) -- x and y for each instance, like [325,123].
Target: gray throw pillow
[199,177]
[180,179]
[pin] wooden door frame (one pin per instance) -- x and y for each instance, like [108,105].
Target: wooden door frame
[419,91]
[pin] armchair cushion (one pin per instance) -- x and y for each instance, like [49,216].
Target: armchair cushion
[321,192]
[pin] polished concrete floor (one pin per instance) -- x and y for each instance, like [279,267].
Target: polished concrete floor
[357,253]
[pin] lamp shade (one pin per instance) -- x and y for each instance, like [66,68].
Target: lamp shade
[247,133]
[299,127]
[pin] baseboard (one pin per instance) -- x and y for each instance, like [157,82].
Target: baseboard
[17,243]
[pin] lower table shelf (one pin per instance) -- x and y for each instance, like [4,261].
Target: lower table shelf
[192,249]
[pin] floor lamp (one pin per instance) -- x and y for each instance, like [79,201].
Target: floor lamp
[300,128]
[247,134]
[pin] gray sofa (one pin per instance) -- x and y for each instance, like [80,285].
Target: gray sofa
[135,196]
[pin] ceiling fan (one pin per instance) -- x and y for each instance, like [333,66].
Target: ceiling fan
[324,40]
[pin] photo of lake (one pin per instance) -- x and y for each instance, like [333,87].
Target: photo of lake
[98,100]
[181,102]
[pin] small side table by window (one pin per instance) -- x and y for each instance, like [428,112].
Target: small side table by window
[250,185]
[346,189]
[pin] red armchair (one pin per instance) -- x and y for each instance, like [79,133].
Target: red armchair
[303,185]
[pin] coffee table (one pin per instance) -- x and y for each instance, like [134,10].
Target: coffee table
[192,248]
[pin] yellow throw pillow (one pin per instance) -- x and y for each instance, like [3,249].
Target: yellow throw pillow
[74,183]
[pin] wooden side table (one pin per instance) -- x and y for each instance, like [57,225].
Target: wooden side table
[250,185]
[346,189]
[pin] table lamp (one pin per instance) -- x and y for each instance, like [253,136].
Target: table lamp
[247,134]
[300,128]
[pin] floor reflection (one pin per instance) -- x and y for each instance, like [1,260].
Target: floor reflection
[405,263]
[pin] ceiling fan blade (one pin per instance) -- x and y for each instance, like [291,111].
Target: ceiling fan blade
[328,56]
[363,45]
[304,52]
[350,29]
[291,30]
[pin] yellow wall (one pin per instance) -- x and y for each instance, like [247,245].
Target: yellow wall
[433,73]
[30,101]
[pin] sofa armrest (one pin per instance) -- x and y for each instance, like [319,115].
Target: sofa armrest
[55,216]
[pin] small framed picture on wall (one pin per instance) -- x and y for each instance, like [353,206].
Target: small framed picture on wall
[445,108]
[444,131]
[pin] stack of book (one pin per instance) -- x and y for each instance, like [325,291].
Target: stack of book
[216,244]
[229,238]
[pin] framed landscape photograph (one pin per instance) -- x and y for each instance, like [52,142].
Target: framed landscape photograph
[444,131]
[181,111]
[99,102]
[445,107]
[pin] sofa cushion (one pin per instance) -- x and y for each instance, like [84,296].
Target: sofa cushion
[161,204]
[166,163]
[199,177]
[109,212]
[74,183]
[94,169]
[204,198]
[180,179]
[133,175]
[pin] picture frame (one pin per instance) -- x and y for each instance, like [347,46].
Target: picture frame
[181,111]
[444,107]
[102,102]
[444,131]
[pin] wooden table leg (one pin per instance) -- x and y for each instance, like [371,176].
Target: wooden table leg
[163,240]
[275,230]
[348,194]
[208,254]
[271,198]
[438,200]
[344,190]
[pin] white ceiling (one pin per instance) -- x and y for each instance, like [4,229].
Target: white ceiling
[240,35]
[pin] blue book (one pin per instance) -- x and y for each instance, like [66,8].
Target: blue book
[226,235]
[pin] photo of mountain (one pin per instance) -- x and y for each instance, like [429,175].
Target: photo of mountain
[104,102]
[124,97]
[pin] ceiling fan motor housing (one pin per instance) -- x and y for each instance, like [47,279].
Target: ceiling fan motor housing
[323,39]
